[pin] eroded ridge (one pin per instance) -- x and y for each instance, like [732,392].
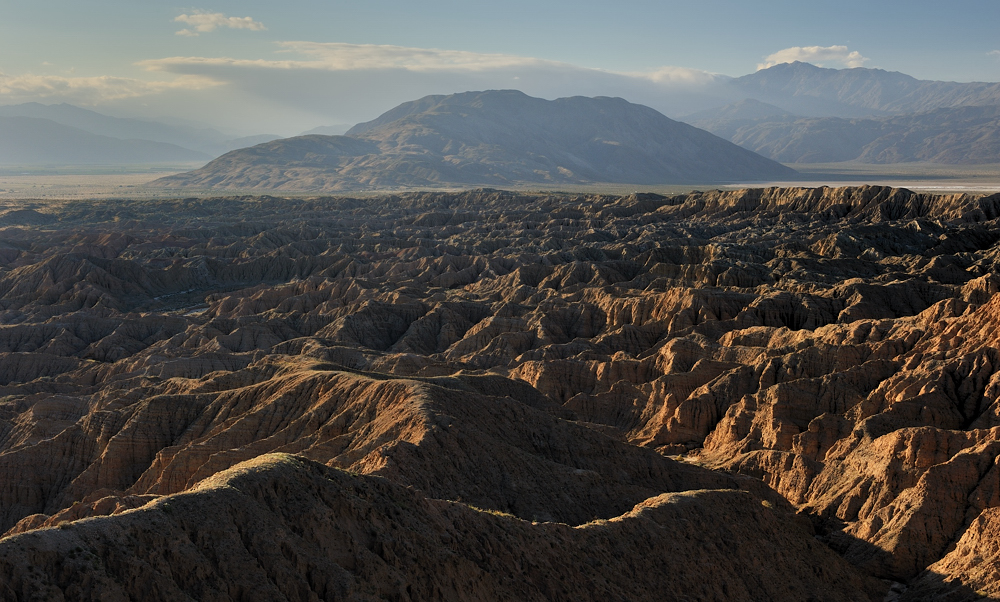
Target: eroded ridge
[289,528]
[555,357]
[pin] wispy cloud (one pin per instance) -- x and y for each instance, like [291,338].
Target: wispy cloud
[307,83]
[994,53]
[205,22]
[90,90]
[678,75]
[817,55]
[354,82]
[338,56]
[369,57]
[354,57]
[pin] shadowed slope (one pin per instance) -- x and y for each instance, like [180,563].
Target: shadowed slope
[282,528]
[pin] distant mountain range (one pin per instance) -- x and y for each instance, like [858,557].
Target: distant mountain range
[498,137]
[33,133]
[810,91]
[792,113]
[329,130]
[33,141]
[800,113]
[962,135]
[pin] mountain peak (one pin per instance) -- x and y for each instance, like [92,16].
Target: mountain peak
[802,69]
[796,66]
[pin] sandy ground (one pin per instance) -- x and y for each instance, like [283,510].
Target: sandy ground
[79,186]
[59,184]
[919,177]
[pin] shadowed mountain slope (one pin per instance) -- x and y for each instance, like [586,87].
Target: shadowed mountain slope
[725,121]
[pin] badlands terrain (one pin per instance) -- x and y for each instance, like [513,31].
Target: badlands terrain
[766,394]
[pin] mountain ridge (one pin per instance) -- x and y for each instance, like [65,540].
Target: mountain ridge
[203,140]
[964,135]
[35,141]
[811,91]
[493,137]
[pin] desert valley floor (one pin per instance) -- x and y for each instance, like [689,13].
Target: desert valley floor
[765,394]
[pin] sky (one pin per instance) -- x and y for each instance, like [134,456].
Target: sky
[267,67]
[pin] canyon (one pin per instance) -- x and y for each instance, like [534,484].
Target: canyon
[770,393]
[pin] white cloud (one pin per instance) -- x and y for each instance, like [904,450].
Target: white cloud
[340,56]
[817,55]
[90,90]
[206,22]
[354,57]
[994,53]
[679,75]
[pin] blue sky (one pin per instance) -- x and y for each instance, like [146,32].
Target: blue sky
[266,66]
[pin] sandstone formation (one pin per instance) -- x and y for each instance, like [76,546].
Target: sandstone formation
[543,375]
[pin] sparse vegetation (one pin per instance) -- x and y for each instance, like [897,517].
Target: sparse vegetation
[491,511]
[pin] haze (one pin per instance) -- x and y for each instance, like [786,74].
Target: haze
[257,67]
